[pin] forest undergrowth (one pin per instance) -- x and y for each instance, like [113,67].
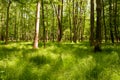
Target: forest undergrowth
[59,61]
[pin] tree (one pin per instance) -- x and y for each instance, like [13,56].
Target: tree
[104,22]
[7,21]
[69,1]
[75,12]
[98,38]
[115,20]
[110,21]
[37,25]
[44,31]
[60,15]
[92,23]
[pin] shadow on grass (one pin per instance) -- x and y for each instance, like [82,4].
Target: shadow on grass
[39,60]
[6,52]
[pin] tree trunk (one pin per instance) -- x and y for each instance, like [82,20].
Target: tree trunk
[21,24]
[92,23]
[7,22]
[110,21]
[44,31]
[104,23]
[37,26]
[74,21]
[15,27]
[69,1]
[53,24]
[115,21]
[47,31]
[83,28]
[60,21]
[2,33]
[98,39]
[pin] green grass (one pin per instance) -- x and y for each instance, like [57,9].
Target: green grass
[64,61]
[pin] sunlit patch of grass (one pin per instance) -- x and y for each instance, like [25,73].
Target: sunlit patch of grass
[110,73]
[9,68]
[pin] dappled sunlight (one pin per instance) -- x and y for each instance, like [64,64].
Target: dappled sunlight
[12,62]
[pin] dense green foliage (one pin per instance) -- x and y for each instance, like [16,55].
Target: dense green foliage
[62,27]
[65,61]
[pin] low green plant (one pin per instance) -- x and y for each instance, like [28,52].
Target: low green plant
[59,61]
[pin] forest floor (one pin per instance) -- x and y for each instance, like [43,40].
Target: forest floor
[63,61]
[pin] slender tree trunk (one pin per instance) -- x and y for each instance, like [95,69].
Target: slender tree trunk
[97,47]
[58,15]
[69,18]
[115,21]
[7,22]
[24,26]
[59,24]
[2,28]
[110,21]
[80,23]
[37,25]
[15,27]
[62,17]
[53,24]
[21,24]
[74,21]
[82,32]
[43,24]
[104,23]
[47,32]
[59,21]
[92,23]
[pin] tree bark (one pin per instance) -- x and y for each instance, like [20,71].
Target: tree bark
[53,24]
[44,30]
[115,21]
[75,21]
[60,12]
[37,26]
[92,23]
[7,22]
[15,27]
[104,23]
[98,39]
[110,21]
[82,32]
[2,33]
